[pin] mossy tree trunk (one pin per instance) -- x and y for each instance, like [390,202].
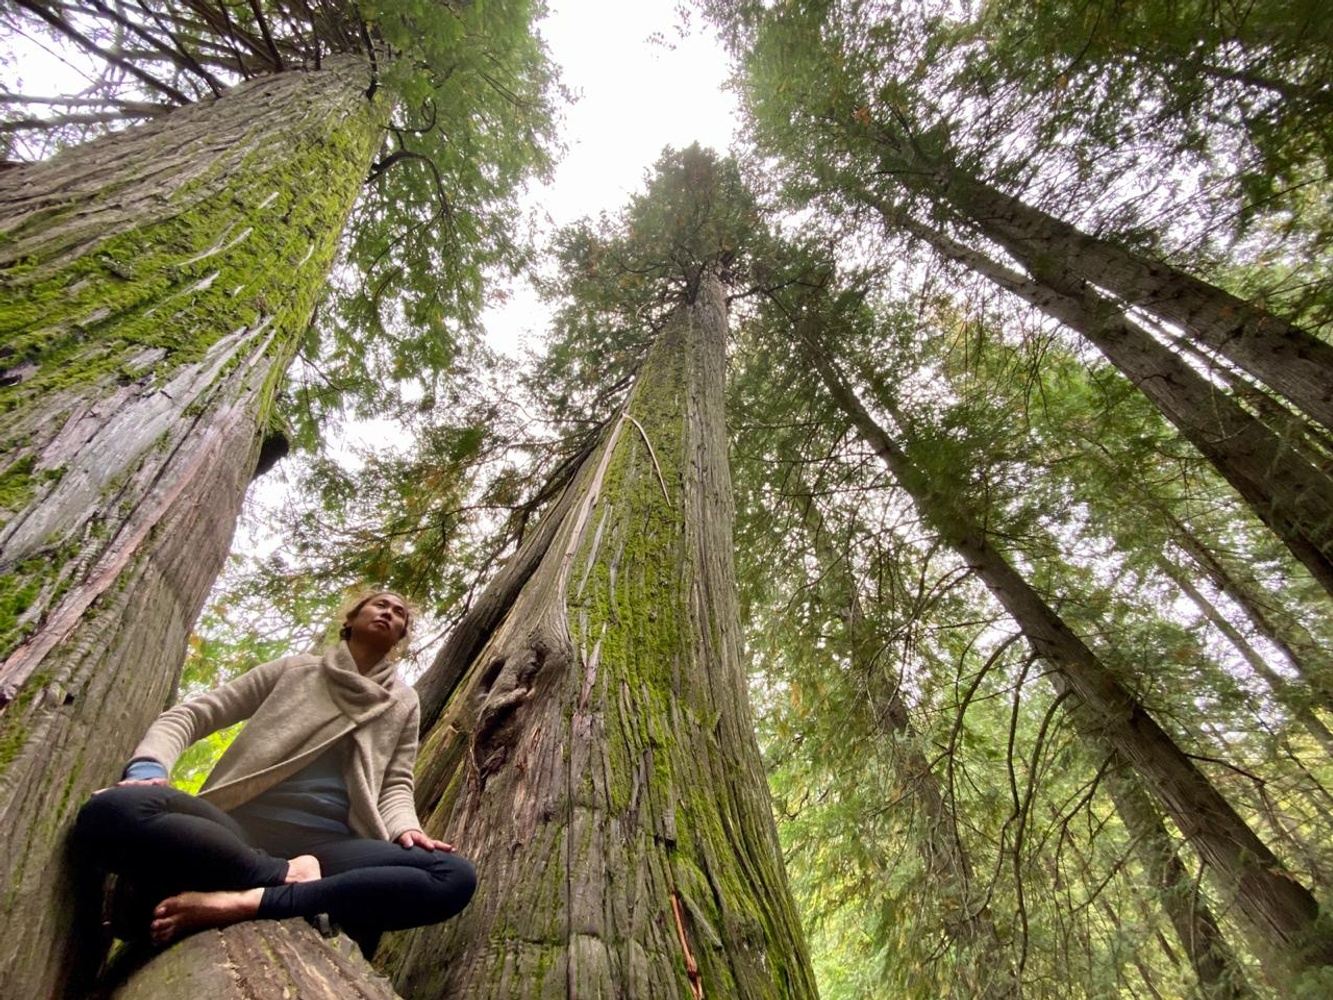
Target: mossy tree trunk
[1282,914]
[155,285]
[598,759]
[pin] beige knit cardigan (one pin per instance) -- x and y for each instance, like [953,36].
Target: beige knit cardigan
[298,707]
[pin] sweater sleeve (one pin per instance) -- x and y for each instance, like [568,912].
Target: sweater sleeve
[397,804]
[183,724]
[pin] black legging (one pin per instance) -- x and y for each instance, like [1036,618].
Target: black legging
[167,842]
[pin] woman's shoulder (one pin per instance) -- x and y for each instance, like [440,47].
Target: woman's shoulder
[291,666]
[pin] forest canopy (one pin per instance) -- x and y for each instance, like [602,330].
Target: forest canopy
[1024,382]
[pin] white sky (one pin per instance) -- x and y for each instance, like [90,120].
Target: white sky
[635,95]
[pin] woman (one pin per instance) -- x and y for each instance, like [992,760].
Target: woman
[309,811]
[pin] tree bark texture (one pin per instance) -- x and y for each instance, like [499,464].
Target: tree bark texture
[257,960]
[598,759]
[1286,492]
[1281,912]
[437,684]
[156,283]
[1291,361]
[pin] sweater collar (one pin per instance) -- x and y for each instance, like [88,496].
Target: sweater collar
[359,696]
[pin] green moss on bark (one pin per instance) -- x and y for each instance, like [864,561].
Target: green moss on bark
[243,248]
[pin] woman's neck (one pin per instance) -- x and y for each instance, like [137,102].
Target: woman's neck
[364,656]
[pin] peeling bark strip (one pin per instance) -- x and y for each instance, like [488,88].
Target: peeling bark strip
[1281,912]
[597,759]
[154,285]
[258,960]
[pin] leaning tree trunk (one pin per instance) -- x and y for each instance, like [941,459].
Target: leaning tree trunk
[1293,700]
[1291,361]
[598,758]
[156,283]
[1310,657]
[1281,912]
[970,928]
[1220,976]
[1281,487]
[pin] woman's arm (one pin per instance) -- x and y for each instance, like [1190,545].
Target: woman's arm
[183,724]
[397,804]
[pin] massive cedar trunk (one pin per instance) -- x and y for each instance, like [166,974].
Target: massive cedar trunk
[1283,489]
[598,758]
[1281,912]
[156,283]
[1291,361]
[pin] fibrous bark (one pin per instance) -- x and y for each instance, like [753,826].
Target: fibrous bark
[257,960]
[156,283]
[1281,912]
[598,758]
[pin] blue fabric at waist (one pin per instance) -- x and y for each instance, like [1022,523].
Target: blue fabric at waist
[315,797]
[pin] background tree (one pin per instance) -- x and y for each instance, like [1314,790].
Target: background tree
[158,282]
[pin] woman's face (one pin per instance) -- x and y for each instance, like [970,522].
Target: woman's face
[380,621]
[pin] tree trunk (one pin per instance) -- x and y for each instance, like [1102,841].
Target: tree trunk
[971,931]
[156,282]
[1282,691]
[1306,653]
[1284,490]
[257,960]
[1281,912]
[598,759]
[1292,362]
[1219,974]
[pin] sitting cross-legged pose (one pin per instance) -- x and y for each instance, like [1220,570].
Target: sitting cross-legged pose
[308,812]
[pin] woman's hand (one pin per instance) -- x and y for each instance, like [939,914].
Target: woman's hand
[415,838]
[132,781]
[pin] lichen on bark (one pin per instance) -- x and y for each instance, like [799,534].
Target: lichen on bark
[598,758]
[156,283]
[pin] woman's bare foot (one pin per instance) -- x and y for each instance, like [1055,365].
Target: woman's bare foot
[177,916]
[303,868]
